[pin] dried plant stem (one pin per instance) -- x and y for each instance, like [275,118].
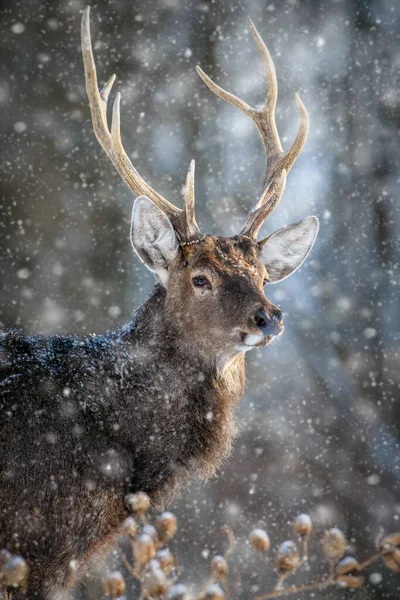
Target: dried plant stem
[201,593]
[232,543]
[316,585]
[143,518]
[225,587]
[237,583]
[305,550]
[331,569]
[231,538]
[128,565]
[370,560]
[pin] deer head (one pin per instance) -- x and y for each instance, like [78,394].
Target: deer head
[214,286]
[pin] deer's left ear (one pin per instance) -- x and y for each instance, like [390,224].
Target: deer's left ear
[153,237]
[285,250]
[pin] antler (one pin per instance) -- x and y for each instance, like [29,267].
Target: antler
[279,162]
[184,220]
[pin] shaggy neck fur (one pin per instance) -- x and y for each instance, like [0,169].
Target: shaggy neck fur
[85,420]
[153,408]
[192,396]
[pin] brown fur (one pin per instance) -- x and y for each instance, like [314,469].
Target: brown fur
[238,278]
[156,400]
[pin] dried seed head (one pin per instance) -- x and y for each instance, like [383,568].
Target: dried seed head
[349,581]
[219,566]
[178,592]
[166,526]
[389,542]
[392,560]
[114,584]
[287,557]
[346,573]
[151,531]
[214,592]
[129,527]
[166,560]
[388,545]
[347,565]
[259,540]
[138,503]
[154,580]
[144,549]
[334,544]
[14,571]
[303,525]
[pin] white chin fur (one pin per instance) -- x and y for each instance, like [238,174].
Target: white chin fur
[252,340]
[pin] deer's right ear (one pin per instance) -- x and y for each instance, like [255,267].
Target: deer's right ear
[153,237]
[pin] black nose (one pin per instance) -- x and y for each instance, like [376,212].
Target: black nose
[269,324]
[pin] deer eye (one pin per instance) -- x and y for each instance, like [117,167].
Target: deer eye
[201,281]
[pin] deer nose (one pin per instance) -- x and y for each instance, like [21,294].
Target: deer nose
[269,324]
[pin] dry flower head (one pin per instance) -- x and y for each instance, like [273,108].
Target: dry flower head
[259,540]
[334,544]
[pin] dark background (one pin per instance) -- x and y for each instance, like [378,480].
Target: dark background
[320,417]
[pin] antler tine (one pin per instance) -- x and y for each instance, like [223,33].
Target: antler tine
[188,206]
[224,95]
[111,141]
[257,216]
[278,160]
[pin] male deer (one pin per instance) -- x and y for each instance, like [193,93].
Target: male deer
[85,420]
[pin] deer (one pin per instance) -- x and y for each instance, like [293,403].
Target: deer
[86,420]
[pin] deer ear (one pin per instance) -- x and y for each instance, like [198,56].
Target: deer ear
[285,250]
[153,237]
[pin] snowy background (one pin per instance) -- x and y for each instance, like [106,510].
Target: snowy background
[320,422]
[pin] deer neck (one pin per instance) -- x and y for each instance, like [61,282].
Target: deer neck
[155,331]
[204,394]
[159,402]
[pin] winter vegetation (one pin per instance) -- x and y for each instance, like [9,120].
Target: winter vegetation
[319,423]
[149,561]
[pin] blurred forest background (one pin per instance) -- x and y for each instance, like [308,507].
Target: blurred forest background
[320,420]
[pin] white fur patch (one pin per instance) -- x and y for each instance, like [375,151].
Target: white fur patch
[162,276]
[252,340]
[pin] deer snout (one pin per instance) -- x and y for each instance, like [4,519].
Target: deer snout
[269,324]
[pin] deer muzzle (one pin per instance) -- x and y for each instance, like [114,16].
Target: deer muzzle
[270,325]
